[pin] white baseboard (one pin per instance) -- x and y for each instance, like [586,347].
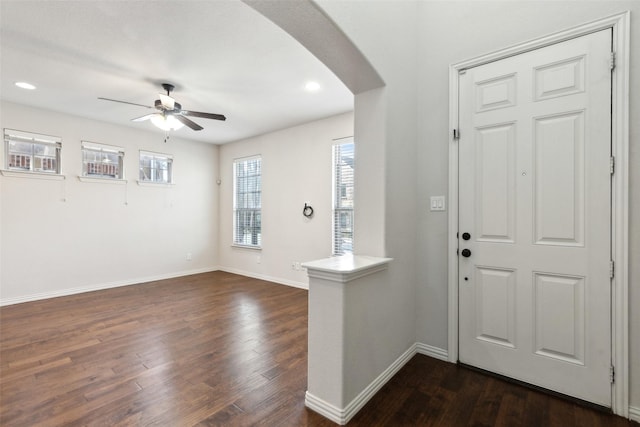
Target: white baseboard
[431,351]
[278,280]
[101,286]
[365,395]
[135,281]
[634,414]
[343,416]
[325,409]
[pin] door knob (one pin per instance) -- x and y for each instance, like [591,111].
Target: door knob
[466,253]
[466,236]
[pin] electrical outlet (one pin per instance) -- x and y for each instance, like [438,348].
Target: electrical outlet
[189,257]
[259,259]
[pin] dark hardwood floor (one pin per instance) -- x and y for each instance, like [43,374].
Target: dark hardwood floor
[218,349]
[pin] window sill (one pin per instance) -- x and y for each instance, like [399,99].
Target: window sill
[154,184]
[33,175]
[255,248]
[102,180]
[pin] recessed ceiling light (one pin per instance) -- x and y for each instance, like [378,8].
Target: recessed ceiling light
[25,85]
[312,86]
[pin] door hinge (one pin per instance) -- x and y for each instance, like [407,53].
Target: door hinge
[612,164]
[612,269]
[612,61]
[612,374]
[456,134]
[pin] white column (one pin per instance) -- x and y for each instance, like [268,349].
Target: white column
[337,290]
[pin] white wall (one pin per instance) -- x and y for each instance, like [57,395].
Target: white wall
[459,30]
[416,147]
[60,237]
[411,44]
[387,34]
[296,168]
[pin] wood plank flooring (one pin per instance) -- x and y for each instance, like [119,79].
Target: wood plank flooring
[218,349]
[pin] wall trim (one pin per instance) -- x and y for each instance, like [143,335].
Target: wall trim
[325,408]
[343,416]
[346,268]
[128,282]
[102,286]
[431,351]
[278,280]
[620,24]
[634,414]
[365,395]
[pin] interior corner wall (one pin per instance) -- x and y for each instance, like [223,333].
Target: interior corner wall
[66,236]
[296,169]
[386,32]
[455,31]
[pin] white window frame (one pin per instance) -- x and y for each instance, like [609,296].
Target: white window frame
[254,211]
[152,177]
[32,159]
[100,169]
[341,245]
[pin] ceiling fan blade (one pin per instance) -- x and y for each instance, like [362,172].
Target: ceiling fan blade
[167,102]
[203,115]
[143,118]
[125,102]
[193,125]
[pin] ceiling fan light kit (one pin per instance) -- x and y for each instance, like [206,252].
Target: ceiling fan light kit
[170,115]
[166,122]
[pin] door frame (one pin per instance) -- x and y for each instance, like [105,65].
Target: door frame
[619,191]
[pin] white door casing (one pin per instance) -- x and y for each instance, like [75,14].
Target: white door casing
[534,194]
[620,25]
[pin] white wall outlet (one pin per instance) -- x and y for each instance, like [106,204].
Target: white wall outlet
[189,256]
[437,203]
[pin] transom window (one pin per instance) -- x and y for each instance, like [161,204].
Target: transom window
[156,167]
[247,202]
[32,152]
[102,161]
[343,186]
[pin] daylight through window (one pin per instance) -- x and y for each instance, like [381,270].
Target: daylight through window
[247,202]
[156,168]
[343,186]
[31,152]
[102,161]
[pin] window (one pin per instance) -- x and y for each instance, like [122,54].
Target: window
[343,167]
[31,152]
[102,161]
[156,168]
[247,202]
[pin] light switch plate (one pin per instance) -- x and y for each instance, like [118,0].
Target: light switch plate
[437,203]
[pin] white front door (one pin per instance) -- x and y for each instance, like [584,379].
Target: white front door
[534,198]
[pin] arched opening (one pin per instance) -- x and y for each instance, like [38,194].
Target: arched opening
[307,23]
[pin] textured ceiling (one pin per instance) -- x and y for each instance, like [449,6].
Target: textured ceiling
[222,56]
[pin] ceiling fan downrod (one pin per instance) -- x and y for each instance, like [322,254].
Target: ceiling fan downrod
[168,87]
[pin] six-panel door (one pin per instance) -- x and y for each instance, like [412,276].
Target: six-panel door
[535,196]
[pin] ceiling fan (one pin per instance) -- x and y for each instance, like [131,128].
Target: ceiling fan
[170,114]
